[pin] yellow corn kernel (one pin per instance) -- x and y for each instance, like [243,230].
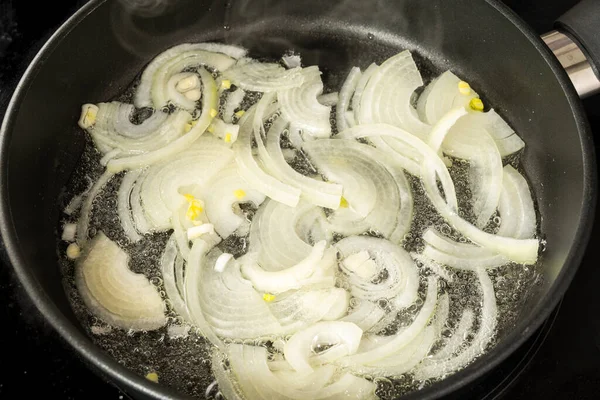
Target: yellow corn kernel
[213,112]
[464,88]
[344,203]
[240,113]
[239,194]
[268,297]
[73,251]
[476,105]
[226,83]
[152,376]
[211,128]
[227,138]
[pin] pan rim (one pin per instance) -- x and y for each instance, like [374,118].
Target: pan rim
[107,366]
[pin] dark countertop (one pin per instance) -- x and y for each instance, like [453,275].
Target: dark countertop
[35,359]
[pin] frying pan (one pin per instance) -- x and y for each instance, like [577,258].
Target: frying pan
[97,53]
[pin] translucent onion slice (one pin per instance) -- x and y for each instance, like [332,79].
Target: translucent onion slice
[302,344]
[453,344]
[410,141]
[487,327]
[209,107]
[123,205]
[329,99]
[291,278]
[345,98]
[263,77]
[320,193]
[222,194]
[114,132]
[114,293]
[152,91]
[469,140]
[358,93]
[281,235]
[256,381]
[442,95]
[523,251]
[233,102]
[301,106]
[227,388]
[388,95]
[401,281]
[370,189]
[162,186]
[365,315]
[167,264]
[516,206]
[83,223]
[389,348]
[249,168]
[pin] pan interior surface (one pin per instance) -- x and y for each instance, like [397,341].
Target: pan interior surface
[101,53]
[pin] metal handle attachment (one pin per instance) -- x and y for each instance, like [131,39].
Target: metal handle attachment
[574,61]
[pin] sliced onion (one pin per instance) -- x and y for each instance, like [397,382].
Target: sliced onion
[401,281]
[453,343]
[113,292]
[345,97]
[329,99]
[440,368]
[263,77]
[83,223]
[299,347]
[400,340]
[251,172]
[152,91]
[388,95]
[209,107]
[372,188]
[233,102]
[167,264]
[222,193]
[257,381]
[301,106]
[433,266]
[323,194]
[281,234]
[507,141]
[316,380]
[365,315]
[516,207]
[123,205]
[358,93]
[442,95]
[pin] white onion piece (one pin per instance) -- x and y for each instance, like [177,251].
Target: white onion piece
[292,60]
[222,261]
[224,131]
[291,278]
[83,223]
[441,314]
[403,338]
[123,205]
[209,106]
[346,93]
[323,194]
[280,233]
[227,389]
[427,153]
[113,131]
[469,140]
[233,102]
[402,279]
[358,92]
[198,231]
[222,193]
[162,186]
[433,266]
[152,91]
[329,99]
[301,106]
[257,381]
[299,347]
[182,90]
[167,264]
[516,207]
[507,141]
[251,171]
[466,262]
[483,337]
[388,95]
[366,315]
[263,77]
[339,306]
[441,96]
[454,342]
[69,232]
[316,380]
[113,292]
[194,278]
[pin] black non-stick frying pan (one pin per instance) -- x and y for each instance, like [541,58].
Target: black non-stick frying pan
[98,52]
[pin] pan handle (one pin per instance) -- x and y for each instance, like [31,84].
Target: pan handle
[576,44]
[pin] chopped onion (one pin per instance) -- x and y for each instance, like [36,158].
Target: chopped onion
[358,93]
[387,98]
[123,205]
[299,347]
[345,97]
[263,77]
[233,102]
[209,107]
[197,231]
[69,232]
[167,264]
[301,106]
[114,293]
[365,315]
[222,261]
[329,99]
[83,223]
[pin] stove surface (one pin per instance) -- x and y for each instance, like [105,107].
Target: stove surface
[561,361]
